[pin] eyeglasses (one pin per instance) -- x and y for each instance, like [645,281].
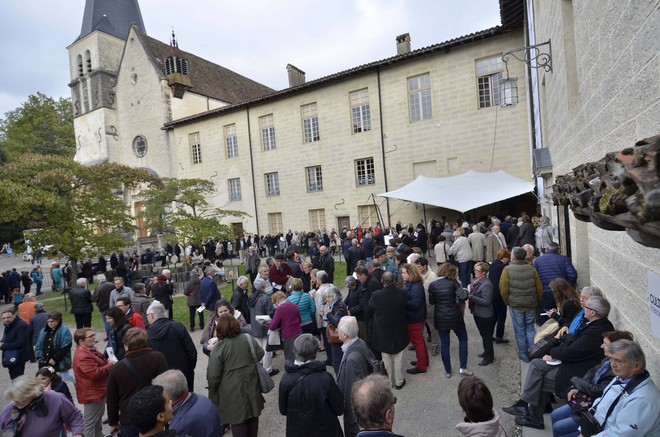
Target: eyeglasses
[589,308]
[90,336]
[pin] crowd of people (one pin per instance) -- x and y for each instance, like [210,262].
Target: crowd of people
[395,299]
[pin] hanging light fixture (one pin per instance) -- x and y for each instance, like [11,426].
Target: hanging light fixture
[534,58]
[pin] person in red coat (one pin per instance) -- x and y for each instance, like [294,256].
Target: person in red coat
[91,370]
[132,318]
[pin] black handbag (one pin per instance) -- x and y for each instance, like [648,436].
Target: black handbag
[542,347]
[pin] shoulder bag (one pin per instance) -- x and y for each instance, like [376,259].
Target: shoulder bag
[10,357]
[333,335]
[589,426]
[542,347]
[266,383]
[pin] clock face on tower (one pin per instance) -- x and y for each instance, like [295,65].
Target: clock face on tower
[140,146]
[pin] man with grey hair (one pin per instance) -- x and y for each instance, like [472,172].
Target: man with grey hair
[239,299]
[81,304]
[573,356]
[193,414]
[357,363]
[119,291]
[578,320]
[355,254]
[521,290]
[208,289]
[173,340]
[102,298]
[373,406]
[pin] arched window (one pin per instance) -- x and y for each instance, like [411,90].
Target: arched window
[80,66]
[88,61]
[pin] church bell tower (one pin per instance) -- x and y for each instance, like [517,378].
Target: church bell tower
[94,59]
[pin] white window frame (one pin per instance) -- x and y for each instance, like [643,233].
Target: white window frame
[195,148]
[268,132]
[314,179]
[235,189]
[231,141]
[489,72]
[420,105]
[360,111]
[310,123]
[272,184]
[365,172]
[275,223]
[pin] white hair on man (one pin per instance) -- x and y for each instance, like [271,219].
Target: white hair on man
[157,310]
[82,282]
[348,325]
[173,382]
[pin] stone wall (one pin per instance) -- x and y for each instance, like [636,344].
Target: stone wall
[603,96]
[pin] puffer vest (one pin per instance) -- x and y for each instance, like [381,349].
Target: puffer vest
[522,286]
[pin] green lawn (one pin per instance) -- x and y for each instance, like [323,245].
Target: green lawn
[55,302]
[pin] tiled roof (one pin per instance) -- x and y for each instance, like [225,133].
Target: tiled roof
[436,48]
[111,17]
[208,79]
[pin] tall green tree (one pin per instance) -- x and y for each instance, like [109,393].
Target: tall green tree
[181,206]
[41,125]
[78,210]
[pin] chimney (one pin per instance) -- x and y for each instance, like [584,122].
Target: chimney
[403,44]
[296,75]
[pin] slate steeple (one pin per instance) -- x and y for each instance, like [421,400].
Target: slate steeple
[113,17]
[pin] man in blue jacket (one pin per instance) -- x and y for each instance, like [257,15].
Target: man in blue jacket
[550,266]
[193,414]
[208,289]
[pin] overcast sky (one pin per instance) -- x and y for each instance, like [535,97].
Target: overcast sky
[256,38]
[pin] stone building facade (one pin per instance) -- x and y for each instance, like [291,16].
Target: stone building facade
[314,155]
[603,95]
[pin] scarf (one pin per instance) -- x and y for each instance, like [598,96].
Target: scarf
[575,324]
[18,414]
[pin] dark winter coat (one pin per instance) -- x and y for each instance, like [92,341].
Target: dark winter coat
[208,292]
[416,304]
[579,352]
[81,301]
[123,383]
[526,234]
[388,315]
[239,300]
[172,339]
[260,305]
[445,295]
[17,337]
[162,292]
[593,382]
[311,401]
[102,295]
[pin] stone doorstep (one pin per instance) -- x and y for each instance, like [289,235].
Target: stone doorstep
[531,432]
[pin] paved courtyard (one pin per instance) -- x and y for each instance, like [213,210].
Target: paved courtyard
[426,406]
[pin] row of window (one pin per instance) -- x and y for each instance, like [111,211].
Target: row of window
[367,216]
[364,175]
[489,75]
[88,64]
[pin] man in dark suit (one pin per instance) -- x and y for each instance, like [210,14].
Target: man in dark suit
[327,263]
[576,354]
[252,263]
[390,329]
[356,364]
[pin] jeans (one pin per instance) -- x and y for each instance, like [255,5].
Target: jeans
[461,333]
[464,272]
[563,424]
[523,327]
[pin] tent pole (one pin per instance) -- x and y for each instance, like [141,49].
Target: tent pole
[424,209]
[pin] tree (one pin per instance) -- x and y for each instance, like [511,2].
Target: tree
[191,218]
[40,125]
[78,210]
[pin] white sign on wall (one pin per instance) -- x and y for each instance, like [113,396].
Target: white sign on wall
[653,287]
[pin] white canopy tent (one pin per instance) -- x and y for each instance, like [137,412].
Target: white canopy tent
[463,192]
